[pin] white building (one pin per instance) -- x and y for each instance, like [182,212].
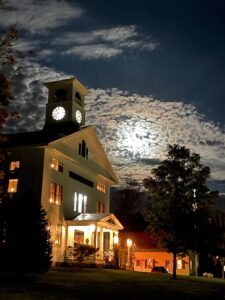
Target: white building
[65,166]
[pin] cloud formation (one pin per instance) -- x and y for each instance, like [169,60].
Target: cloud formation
[134,130]
[37,17]
[105,43]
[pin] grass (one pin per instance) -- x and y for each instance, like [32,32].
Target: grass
[66,283]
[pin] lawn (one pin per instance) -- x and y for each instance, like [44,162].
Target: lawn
[75,284]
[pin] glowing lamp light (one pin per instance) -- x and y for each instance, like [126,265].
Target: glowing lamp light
[129,242]
[92,227]
[51,200]
[52,165]
[12,189]
[56,242]
[116,239]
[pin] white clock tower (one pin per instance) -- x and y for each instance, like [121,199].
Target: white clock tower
[65,102]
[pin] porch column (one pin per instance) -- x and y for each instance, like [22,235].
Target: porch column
[101,244]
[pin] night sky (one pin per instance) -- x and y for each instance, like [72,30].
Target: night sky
[155,70]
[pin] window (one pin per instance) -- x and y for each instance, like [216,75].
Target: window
[83,150]
[101,187]
[55,193]
[167,264]
[138,263]
[80,203]
[58,235]
[60,95]
[81,179]
[78,96]
[56,165]
[12,186]
[14,165]
[100,207]
[78,237]
[180,264]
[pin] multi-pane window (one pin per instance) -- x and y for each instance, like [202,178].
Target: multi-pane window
[56,165]
[14,165]
[100,207]
[80,202]
[58,235]
[55,193]
[12,186]
[101,187]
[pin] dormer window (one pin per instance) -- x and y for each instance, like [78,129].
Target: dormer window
[61,95]
[83,150]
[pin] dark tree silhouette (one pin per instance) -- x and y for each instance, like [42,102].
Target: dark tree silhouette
[179,204]
[24,237]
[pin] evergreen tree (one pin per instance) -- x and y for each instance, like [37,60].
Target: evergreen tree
[25,240]
[179,204]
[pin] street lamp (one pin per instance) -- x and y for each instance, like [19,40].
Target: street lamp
[129,244]
[116,250]
[194,208]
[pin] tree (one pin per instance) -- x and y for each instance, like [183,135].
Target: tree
[83,251]
[179,203]
[8,57]
[127,204]
[25,244]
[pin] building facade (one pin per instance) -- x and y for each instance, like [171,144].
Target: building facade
[65,166]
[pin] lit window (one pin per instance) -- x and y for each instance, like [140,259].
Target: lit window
[80,203]
[101,187]
[180,264]
[167,264]
[138,262]
[14,165]
[56,165]
[58,235]
[55,193]
[12,187]
[100,207]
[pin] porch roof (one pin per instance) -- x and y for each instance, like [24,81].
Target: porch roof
[107,220]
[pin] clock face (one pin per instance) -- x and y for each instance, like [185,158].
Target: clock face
[78,116]
[58,113]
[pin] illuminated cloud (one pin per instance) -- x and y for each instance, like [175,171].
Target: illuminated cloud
[37,16]
[93,51]
[134,130]
[105,43]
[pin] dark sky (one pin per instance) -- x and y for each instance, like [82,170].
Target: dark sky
[155,70]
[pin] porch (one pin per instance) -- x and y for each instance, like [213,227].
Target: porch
[97,230]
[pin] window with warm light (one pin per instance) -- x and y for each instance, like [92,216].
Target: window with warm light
[14,165]
[55,194]
[80,203]
[180,264]
[100,207]
[56,165]
[58,235]
[101,187]
[12,186]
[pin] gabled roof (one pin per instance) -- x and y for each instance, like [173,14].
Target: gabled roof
[106,220]
[97,160]
[39,138]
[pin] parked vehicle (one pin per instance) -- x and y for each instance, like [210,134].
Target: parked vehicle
[159,269]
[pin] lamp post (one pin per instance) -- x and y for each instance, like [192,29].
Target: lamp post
[129,244]
[116,251]
[194,208]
